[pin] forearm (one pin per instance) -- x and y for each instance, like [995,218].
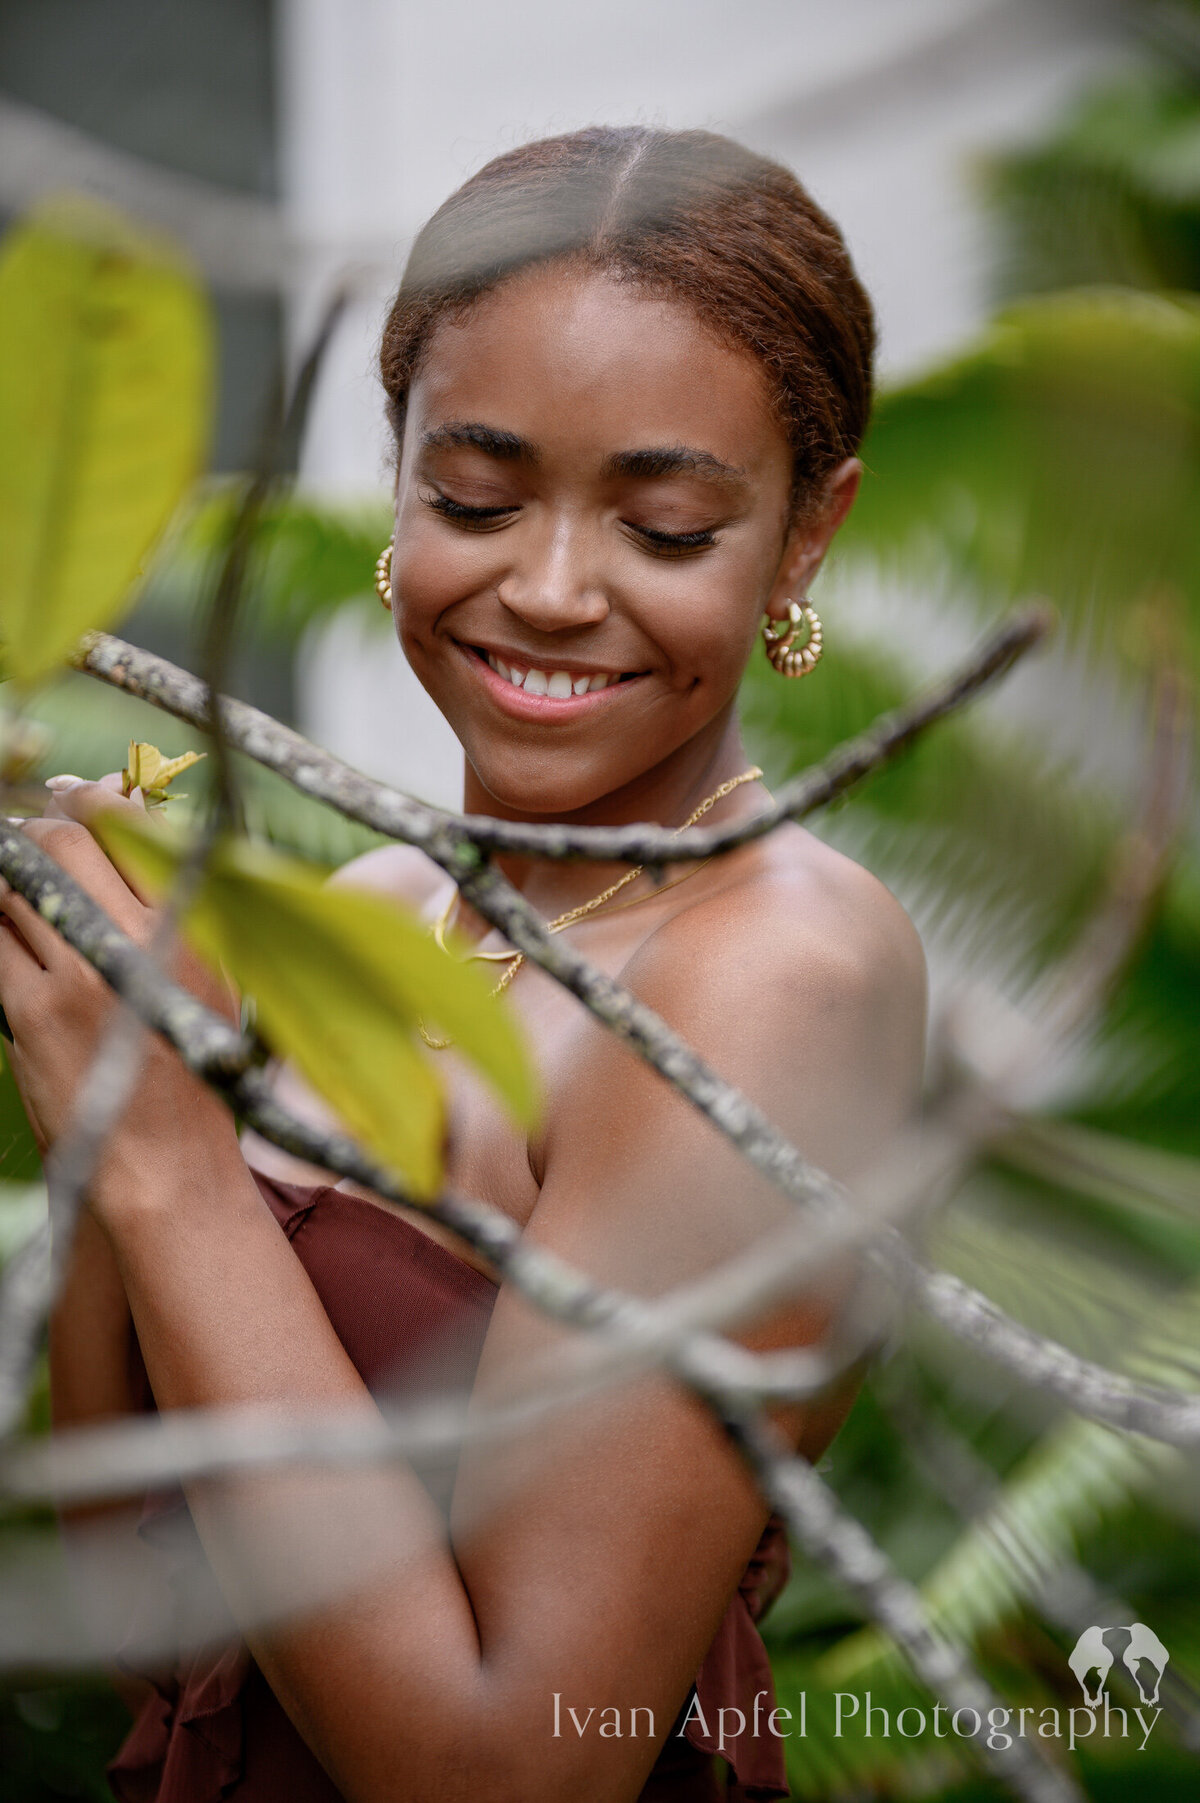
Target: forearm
[90,1334]
[380,1668]
[90,1381]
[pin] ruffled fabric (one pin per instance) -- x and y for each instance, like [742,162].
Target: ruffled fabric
[405,1308]
[736,1674]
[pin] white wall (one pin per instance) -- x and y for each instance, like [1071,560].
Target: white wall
[879,106]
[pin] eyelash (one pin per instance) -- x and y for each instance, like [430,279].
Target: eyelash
[462,515]
[676,542]
[666,543]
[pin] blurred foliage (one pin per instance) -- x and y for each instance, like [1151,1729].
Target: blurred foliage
[105,395]
[105,389]
[1111,196]
[1059,455]
[55,1742]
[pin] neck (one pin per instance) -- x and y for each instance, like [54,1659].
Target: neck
[665,794]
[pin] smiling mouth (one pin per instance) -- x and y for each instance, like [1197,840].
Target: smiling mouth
[556,685]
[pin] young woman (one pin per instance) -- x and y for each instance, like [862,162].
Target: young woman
[628,372]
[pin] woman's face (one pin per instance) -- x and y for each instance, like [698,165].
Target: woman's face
[591,515]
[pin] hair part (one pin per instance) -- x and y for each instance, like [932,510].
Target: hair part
[689,215]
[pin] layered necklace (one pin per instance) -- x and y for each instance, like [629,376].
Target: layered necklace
[514,960]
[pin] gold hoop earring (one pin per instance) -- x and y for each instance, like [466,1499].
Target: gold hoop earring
[779,637]
[383,574]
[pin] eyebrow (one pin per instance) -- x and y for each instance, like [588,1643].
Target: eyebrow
[657,460]
[672,460]
[506,446]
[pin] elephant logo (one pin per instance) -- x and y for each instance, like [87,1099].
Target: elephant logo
[1091,1654]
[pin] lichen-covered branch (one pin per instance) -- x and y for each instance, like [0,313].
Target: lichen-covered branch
[1041,1364]
[361,798]
[455,844]
[834,1539]
[218,1053]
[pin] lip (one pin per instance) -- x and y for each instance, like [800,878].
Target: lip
[523,706]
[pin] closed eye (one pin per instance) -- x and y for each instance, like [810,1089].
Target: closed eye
[463,515]
[674,543]
[663,544]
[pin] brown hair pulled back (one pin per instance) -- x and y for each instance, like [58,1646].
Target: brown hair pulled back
[690,215]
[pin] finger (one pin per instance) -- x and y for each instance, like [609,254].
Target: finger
[73,798]
[38,938]
[85,804]
[72,847]
[114,780]
[20,973]
[23,928]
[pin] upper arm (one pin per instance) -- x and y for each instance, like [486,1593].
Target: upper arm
[602,1555]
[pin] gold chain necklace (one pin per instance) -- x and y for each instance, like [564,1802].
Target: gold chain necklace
[514,960]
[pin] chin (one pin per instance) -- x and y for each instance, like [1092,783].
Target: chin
[540,785]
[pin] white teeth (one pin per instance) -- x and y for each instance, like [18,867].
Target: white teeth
[557,685]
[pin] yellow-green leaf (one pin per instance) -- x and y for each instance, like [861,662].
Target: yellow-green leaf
[105,397]
[341,978]
[148,770]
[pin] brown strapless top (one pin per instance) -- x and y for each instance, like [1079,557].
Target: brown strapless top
[406,1310]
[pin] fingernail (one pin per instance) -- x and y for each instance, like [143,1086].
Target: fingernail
[63,782]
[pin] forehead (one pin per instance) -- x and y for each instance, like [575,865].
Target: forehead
[583,365]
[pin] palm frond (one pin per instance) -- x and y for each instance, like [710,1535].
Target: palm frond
[309,558]
[1059,455]
[1076,1479]
[1111,194]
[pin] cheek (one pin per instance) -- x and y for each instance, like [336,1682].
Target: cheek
[708,621]
[430,573]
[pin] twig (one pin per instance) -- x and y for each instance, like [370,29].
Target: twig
[842,1546]
[318,773]
[1042,1364]
[24,1285]
[1064,1593]
[280,438]
[109,1082]
[452,843]
[219,1054]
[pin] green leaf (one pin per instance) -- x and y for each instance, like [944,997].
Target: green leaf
[105,396]
[342,978]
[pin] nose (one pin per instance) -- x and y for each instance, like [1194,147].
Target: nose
[552,584]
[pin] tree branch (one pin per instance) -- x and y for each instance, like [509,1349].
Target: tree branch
[320,774]
[220,1055]
[842,1546]
[455,844]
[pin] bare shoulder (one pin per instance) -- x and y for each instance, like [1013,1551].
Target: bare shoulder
[400,871]
[798,918]
[801,980]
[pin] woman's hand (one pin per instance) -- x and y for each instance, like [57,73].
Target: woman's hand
[57,1006]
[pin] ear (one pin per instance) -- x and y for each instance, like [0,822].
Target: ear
[809,539]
